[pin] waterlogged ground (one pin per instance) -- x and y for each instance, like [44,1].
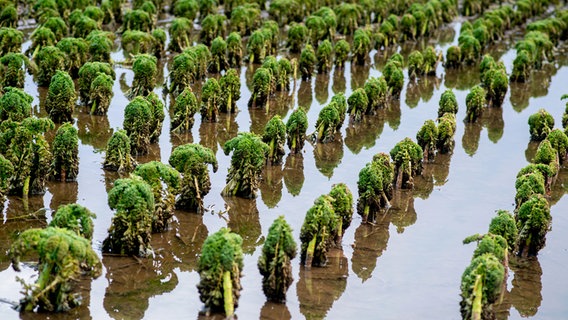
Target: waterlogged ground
[407,266]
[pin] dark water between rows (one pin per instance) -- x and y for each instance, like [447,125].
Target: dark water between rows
[407,266]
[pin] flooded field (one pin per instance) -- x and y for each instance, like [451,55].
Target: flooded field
[406,266]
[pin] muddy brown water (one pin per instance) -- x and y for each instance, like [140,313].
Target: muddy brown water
[407,266]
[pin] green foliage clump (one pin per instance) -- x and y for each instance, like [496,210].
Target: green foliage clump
[49,60]
[297,37]
[475,102]
[158,115]
[348,17]
[76,218]
[41,37]
[80,26]
[6,172]
[258,46]
[247,161]
[453,57]
[10,40]
[504,225]
[522,66]
[137,123]
[137,20]
[448,103]
[100,94]
[63,255]
[212,26]
[262,88]
[164,181]
[407,157]
[245,17]
[135,42]
[131,228]
[546,154]
[8,15]
[100,46]
[13,66]
[339,102]
[210,100]
[377,93]
[296,128]
[427,138]
[324,56]
[527,185]
[540,125]
[219,55]
[496,84]
[180,34]
[489,243]
[145,71]
[57,26]
[185,9]
[446,132]
[274,263]
[87,74]
[318,230]
[358,104]
[559,142]
[231,91]
[61,97]
[65,151]
[533,222]
[23,144]
[234,50]
[220,265]
[274,136]
[307,62]
[185,108]
[361,47]
[375,187]
[342,50]
[481,285]
[191,160]
[118,156]
[343,206]
[15,104]
[76,51]
[394,77]
[327,123]
[415,63]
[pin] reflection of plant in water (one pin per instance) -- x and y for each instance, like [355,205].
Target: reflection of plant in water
[462,79]
[271,185]
[305,95]
[470,139]
[328,156]
[492,119]
[244,220]
[322,87]
[402,213]
[131,283]
[370,242]
[364,134]
[319,288]
[294,173]
[339,83]
[525,294]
